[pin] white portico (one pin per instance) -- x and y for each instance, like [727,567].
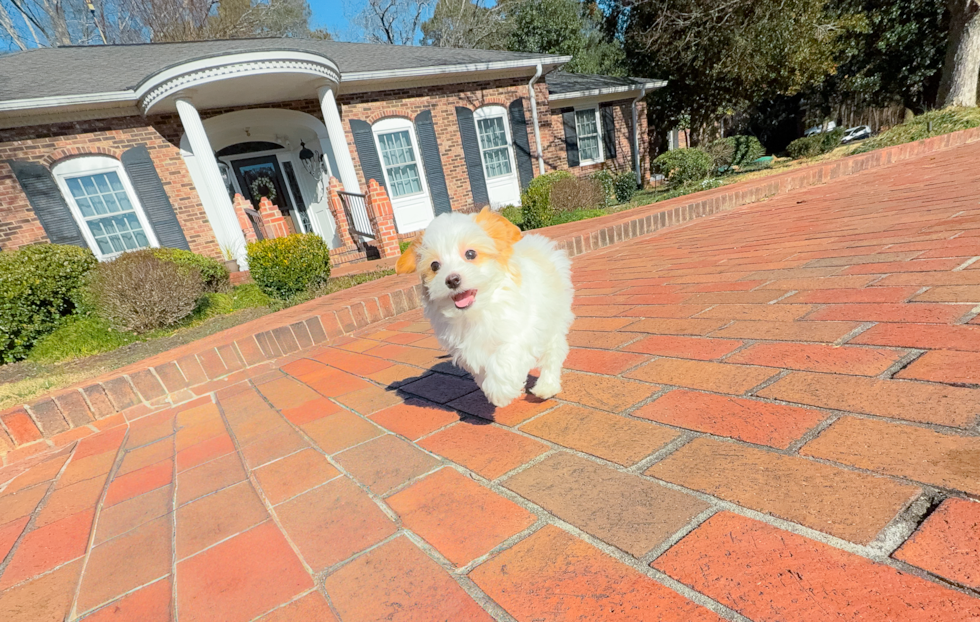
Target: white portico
[285,155]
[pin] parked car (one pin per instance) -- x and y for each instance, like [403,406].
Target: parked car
[856,133]
[819,129]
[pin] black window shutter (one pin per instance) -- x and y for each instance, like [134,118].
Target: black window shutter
[571,137]
[472,156]
[608,132]
[48,203]
[522,147]
[367,152]
[153,197]
[432,161]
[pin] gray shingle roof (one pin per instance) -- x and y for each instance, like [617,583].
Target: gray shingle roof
[49,72]
[560,82]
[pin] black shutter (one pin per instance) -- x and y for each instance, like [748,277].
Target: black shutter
[367,152]
[48,203]
[522,147]
[571,137]
[608,132]
[153,197]
[432,161]
[472,156]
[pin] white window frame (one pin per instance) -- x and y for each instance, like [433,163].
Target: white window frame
[491,112]
[95,165]
[390,126]
[598,127]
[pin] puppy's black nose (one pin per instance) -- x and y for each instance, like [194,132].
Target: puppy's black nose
[452,281]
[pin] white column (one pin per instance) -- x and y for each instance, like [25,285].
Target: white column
[214,196]
[338,140]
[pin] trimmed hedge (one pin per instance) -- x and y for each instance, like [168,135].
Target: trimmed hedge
[214,275]
[38,286]
[536,210]
[812,146]
[284,267]
[684,165]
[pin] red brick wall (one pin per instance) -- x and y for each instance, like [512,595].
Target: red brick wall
[623,120]
[50,144]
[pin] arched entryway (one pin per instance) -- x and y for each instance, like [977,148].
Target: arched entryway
[259,153]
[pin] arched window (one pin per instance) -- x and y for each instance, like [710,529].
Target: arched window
[104,204]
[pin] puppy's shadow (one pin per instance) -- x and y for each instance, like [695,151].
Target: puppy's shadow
[447,387]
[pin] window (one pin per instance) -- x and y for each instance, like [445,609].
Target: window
[493,145]
[401,166]
[104,205]
[587,128]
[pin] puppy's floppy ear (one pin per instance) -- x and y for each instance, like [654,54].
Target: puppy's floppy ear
[407,262]
[504,232]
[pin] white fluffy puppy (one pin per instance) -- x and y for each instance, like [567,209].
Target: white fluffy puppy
[500,302]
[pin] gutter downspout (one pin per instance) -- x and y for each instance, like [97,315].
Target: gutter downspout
[534,117]
[636,136]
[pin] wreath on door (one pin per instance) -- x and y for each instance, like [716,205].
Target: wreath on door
[263,183]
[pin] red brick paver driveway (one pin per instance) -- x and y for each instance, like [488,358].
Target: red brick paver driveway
[768,415]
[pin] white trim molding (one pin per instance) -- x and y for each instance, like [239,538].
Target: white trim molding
[175,80]
[612,90]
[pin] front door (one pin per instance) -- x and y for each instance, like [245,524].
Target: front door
[261,177]
[497,154]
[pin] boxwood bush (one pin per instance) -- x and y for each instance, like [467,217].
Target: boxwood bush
[608,182]
[812,146]
[214,275]
[536,209]
[684,165]
[624,185]
[284,267]
[736,151]
[38,285]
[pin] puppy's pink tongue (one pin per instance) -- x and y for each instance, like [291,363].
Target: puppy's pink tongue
[465,299]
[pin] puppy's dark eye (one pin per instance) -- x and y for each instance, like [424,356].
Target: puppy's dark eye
[435,266]
[471,255]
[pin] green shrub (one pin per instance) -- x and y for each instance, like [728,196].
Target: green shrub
[139,292]
[536,208]
[79,337]
[284,267]
[684,165]
[608,182]
[806,147]
[513,214]
[831,140]
[917,128]
[38,287]
[573,194]
[403,246]
[625,186]
[214,275]
[812,146]
[722,153]
[248,296]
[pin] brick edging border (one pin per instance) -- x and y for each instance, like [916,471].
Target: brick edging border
[182,374]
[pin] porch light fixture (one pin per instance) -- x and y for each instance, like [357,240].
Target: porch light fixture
[312,160]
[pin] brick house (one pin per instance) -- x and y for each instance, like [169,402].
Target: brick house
[127,146]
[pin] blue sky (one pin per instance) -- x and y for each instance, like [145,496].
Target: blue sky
[332,14]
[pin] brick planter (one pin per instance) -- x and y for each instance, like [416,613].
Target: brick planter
[181,374]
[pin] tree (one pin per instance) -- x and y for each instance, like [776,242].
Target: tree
[719,56]
[566,27]
[962,65]
[394,22]
[466,24]
[46,23]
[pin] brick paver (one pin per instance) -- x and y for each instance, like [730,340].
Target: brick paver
[768,414]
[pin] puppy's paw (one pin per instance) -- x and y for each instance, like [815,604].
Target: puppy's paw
[545,389]
[498,395]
